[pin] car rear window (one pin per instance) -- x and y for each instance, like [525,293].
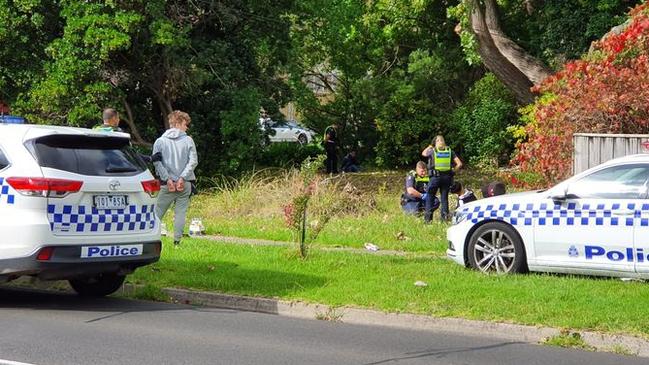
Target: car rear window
[87,155]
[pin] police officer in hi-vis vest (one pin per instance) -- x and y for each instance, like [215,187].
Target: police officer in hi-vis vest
[413,200]
[442,165]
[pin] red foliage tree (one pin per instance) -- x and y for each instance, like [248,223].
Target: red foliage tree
[605,92]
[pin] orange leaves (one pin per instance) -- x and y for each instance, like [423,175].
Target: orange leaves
[608,94]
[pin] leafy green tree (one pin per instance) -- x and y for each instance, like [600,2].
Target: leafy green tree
[26,28]
[390,72]
[516,40]
[219,60]
[479,127]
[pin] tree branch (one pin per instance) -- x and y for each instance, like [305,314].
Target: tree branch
[530,66]
[495,61]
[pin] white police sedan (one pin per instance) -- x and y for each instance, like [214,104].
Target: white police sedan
[595,223]
[75,204]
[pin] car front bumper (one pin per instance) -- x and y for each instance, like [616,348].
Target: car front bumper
[456,236]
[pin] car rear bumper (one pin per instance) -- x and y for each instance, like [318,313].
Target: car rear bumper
[65,262]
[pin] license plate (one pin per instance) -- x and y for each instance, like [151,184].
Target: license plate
[110,201]
[88,252]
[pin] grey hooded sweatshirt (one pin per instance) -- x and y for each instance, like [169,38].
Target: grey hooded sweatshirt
[179,158]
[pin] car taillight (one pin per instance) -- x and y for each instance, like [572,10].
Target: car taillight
[152,187]
[45,254]
[44,187]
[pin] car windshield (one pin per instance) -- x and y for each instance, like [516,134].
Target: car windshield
[87,155]
[616,182]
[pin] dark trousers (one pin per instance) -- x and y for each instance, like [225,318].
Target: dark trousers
[331,163]
[418,206]
[443,183]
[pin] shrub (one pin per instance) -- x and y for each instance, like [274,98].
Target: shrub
[605,92]
[480,123]
[288,154]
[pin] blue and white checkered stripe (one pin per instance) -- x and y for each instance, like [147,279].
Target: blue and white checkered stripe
[84,219]
[5,196]
[546,214]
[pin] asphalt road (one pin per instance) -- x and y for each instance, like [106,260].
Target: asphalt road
[56,328]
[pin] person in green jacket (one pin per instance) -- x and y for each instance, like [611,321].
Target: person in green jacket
[110,122]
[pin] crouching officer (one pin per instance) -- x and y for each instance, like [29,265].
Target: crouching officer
[413,200]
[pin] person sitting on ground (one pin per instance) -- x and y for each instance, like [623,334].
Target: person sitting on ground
[350,163]
[413,200]
[464,195]
[493,189]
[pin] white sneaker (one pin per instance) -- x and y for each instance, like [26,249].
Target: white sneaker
[196,227]
[163,230]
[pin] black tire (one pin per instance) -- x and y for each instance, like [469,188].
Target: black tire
[302,139]
[97,286]
[497,247]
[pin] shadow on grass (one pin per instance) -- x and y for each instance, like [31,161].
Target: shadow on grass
[224,276]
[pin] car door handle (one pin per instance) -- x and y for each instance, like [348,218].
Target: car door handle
[624,212]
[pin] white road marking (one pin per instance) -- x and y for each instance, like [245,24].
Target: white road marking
[9,362]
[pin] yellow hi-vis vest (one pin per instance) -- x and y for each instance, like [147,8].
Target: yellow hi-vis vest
[421,183]
[442,159]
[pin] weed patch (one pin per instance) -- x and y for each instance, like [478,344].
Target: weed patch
[568,339]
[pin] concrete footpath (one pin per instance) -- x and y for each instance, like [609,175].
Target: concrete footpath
[512,332]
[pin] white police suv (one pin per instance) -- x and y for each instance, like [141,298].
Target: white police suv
[75,204]
[595,223]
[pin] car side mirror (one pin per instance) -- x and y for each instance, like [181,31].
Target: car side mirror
[561,197]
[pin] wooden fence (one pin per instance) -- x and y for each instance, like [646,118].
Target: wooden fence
[591,149]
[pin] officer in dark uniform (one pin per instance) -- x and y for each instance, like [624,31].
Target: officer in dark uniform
[442,165]
[330,143]
[414,198]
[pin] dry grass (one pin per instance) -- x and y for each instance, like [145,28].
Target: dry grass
[263,194]
[346,210]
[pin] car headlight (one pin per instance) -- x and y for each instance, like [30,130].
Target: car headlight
[459,217]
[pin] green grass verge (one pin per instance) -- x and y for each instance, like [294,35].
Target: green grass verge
[241,213]
[388,231]
[387,283]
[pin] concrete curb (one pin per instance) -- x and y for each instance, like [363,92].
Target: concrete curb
[504,331]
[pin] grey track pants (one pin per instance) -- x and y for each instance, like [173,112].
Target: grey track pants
[181,200]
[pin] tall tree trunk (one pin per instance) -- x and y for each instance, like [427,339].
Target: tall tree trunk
[532,67]
[495,61]
[164,104]
[511,64]
[130,120]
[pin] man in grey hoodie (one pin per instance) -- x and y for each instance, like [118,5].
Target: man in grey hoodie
[175,168]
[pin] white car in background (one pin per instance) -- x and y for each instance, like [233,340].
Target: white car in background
[288,131]
[76,205]
[595,223]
